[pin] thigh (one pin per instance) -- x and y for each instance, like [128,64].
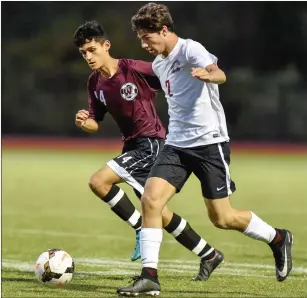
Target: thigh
[106,175]
[172,167]
[102,180]
[213,171]
[134,165]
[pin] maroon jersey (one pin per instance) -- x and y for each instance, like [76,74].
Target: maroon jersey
[129,97]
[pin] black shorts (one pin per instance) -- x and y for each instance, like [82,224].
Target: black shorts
[137,158]
[209,163]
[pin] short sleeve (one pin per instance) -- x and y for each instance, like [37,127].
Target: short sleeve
[97,109]
[145,69]
[198,56]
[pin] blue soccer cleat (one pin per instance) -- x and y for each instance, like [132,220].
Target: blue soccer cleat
[137,250]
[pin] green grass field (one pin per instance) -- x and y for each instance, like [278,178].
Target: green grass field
[46,203]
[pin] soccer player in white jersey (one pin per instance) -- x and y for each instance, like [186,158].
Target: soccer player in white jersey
[197,142]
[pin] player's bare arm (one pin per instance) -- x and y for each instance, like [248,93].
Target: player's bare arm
[211,74]
[85,123]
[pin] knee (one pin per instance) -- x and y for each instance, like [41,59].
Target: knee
[98,185]
[94,182]
[151,202]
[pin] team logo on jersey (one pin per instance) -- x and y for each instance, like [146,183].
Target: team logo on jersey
[129,91]
[175,66]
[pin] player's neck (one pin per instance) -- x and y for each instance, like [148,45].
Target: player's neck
[172,41]
[110,68]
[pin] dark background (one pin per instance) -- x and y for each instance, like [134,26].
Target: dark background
[262,47]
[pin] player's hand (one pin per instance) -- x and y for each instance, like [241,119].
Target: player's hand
[202,74]
[81,117]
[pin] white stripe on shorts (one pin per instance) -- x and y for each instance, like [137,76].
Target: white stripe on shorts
[121,172]
[226,168]
[149,155]
[158,148]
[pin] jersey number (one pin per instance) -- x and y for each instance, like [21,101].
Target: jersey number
[168,86]
[126,158]
[101,97]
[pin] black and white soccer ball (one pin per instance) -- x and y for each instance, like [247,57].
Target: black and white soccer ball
[54,268]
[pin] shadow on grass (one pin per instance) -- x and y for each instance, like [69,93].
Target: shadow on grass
[28,277]
[19,276]
[19,279]
[106,277]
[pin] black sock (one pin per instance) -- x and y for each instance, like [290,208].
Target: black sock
[185,235]
[150,273]
[123,207]
[278,238]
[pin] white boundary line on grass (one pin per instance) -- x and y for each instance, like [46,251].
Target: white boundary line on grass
[186,264]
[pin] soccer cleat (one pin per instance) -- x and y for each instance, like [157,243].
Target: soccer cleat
[140,286]
[206,267]
[137,250]
[282,254]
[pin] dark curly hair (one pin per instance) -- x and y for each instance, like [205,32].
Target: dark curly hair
[152,17]
[89,31]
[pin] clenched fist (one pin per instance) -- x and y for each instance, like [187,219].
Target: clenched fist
[81,117]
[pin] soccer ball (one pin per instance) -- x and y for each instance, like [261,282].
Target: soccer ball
[54,268]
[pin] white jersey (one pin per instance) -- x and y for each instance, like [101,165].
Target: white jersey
[196,114]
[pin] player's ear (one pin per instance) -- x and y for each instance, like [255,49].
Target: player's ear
[164,31]
[107,45]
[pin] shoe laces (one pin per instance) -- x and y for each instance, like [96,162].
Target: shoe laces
[136,278]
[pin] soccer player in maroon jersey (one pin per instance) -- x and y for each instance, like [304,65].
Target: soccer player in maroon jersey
[126,89]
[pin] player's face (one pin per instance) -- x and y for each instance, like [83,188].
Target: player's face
[152,42]
[95,53]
